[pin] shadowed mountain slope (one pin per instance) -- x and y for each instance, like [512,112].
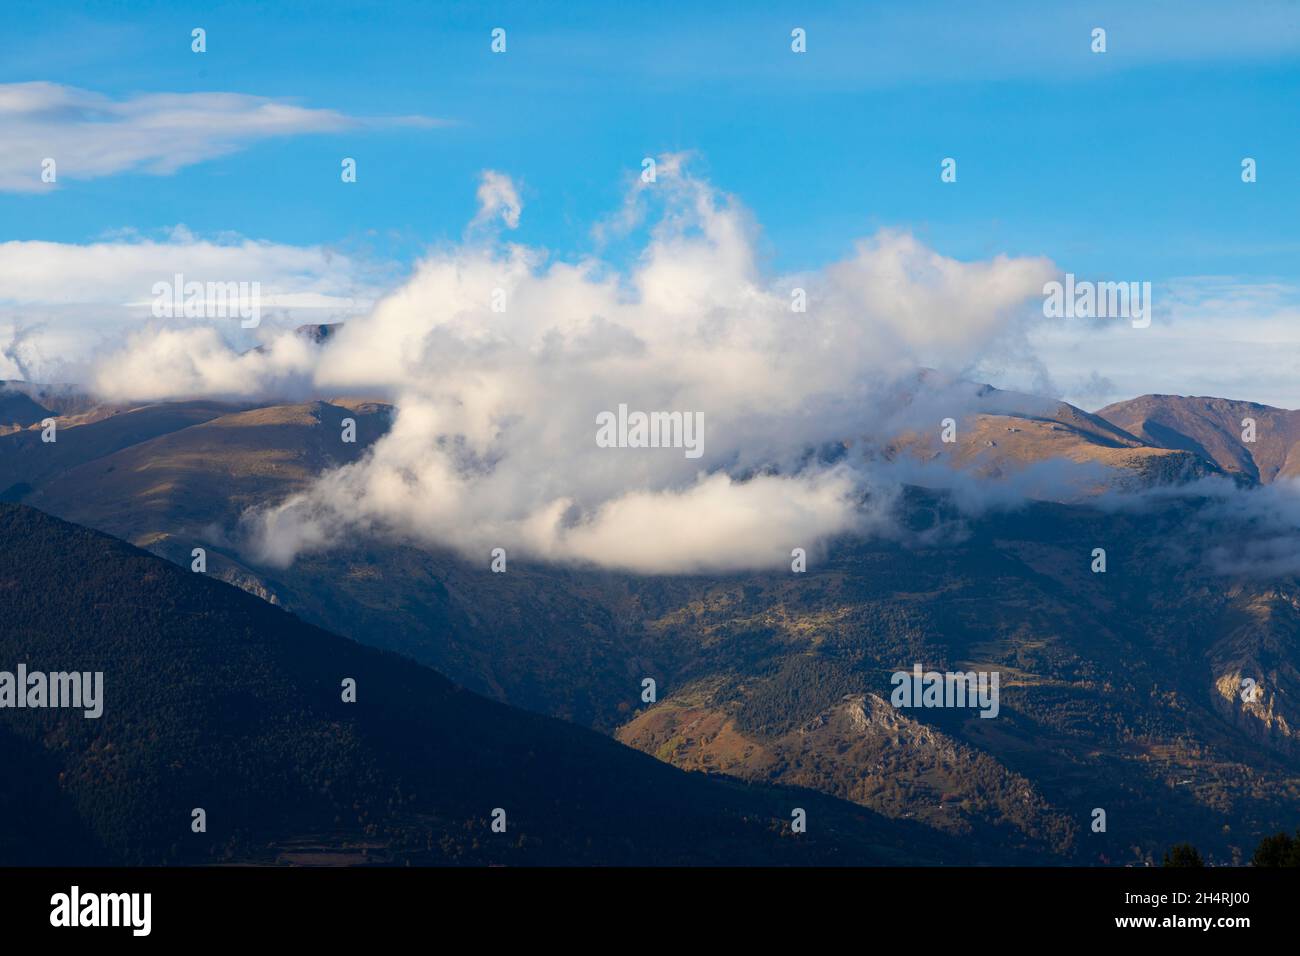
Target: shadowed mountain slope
[214,699]
[26,460]
[208,470]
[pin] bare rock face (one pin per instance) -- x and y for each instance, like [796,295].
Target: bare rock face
[1257,683]
[861,749]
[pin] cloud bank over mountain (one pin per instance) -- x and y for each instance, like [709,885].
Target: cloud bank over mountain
[501,361]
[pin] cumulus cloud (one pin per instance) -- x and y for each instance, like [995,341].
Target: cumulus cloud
[493,443]
[160,363]
[90,135]
[501,361]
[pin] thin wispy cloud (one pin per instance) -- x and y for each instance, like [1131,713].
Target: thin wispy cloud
[89,135]
[1231,336]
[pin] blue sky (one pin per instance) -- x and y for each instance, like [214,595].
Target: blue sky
[1117,165]
[1126,162]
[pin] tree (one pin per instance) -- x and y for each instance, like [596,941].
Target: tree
[1182,854]
[1278,850]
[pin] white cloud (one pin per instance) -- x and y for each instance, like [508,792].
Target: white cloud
[493,444]
[494,441]
[90,135]
[160,363]
[1209,335]
[62,304]
[497,199]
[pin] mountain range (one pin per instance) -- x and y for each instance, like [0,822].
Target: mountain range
[1120,691]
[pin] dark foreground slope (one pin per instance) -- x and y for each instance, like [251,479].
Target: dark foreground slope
[217,700]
